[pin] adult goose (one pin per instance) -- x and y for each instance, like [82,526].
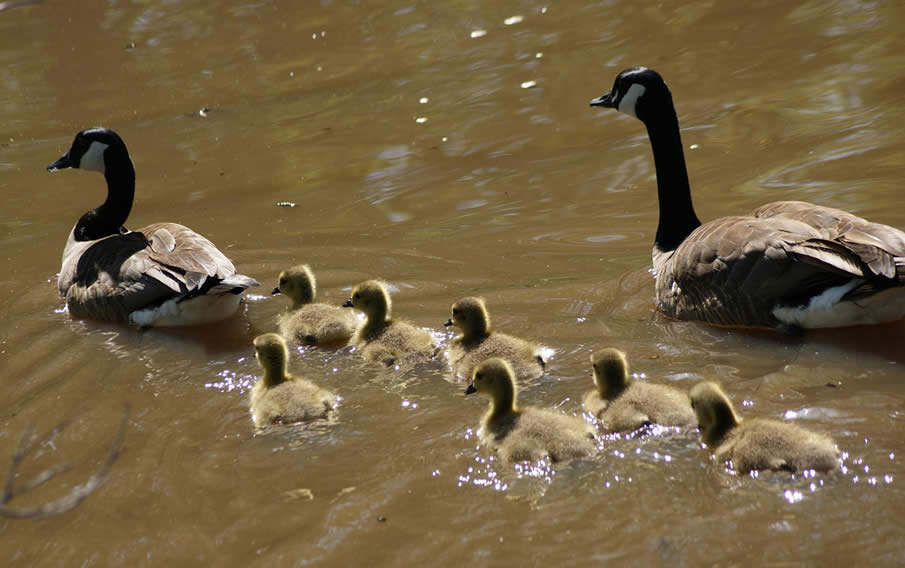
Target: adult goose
[788,265]
[160,275]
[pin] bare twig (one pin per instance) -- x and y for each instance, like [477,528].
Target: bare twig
[16,3]
[76,495]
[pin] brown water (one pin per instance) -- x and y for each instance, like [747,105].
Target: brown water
[420,154]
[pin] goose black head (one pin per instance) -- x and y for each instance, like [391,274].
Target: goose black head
[638,92]
[89,150]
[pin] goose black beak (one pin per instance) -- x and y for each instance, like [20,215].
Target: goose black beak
[470,389]
[275,291]
[347,303]
[604,101]
[448,322]
[60,164]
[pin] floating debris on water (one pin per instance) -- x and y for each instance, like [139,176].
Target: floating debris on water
[529,84]
[203,112]
[285,204]
[513,20]
[478,33]
[298,495]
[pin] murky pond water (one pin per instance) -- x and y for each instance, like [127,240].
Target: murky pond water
[448,148]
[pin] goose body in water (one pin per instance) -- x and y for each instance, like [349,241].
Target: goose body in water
[164,274]
[383,338]
[521,433]
[788,265]
[479,342]
[758,443]
[308,322]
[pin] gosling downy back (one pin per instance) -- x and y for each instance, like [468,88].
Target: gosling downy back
[787,265]
[161,275]
[621,403]
[527,433]
[757,444]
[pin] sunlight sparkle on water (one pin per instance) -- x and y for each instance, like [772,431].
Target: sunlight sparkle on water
[793,496]
[528,84]
[478,33]
[513,20]
[231,381]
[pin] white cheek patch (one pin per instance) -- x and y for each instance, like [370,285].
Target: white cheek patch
[93,159]
[627,104]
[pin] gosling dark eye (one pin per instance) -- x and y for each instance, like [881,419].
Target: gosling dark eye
[356,296]
[455,312]
[283,281]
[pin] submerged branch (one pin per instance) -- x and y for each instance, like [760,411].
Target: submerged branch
[76,495]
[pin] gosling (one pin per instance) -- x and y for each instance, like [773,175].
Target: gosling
[280,398]
[526,433]
[382,339]
[621,404]
[759,443]
[479,342]
[306,322]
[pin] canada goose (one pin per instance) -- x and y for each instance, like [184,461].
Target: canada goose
[160,275]
[306,322]
[278,397]
[788,265]
[526,433]
[758,443]
[382,339]
[478,342]
[620,403]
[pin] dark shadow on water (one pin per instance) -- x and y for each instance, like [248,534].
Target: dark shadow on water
[882,340]
[227,336]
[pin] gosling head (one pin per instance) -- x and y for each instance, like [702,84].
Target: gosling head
[713,410]
[470,315]
[90,150]
[494,378]
[372,299]
[610,372]
[638,92]
[298,284]
[272,355]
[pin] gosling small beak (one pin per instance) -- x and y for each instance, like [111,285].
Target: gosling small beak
[275,291]
[60,164]
[347,303]
[604,101]
[448,322]
[470,389]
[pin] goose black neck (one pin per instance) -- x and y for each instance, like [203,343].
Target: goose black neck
[677,216]
[110,217]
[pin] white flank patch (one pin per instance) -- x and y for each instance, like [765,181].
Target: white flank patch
[93,159]
[627,104]
[197,311]
[826,310]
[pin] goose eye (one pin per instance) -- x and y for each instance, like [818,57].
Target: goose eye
[283,281]
[455,311]
[356,296]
